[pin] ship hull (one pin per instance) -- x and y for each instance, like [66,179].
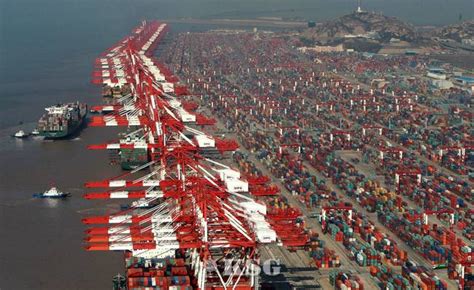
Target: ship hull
[130,165]
[40,195]
[20,137]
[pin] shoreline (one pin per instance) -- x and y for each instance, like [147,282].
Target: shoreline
[277,23]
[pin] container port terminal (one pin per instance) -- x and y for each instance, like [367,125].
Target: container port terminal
[244,154]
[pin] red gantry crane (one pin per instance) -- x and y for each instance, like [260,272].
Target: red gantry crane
[187,203]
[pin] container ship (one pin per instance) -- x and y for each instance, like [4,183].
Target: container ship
[62,120]
[134,157]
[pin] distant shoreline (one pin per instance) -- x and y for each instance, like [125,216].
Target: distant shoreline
[242,22]
[264,22]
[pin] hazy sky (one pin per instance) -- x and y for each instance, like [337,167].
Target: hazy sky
[414,11]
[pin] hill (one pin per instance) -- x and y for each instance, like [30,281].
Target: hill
[364,25]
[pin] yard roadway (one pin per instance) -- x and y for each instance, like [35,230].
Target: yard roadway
[433,219]
[348,264]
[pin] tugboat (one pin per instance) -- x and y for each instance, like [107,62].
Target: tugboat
[20,134]
[53,192]
[35,132]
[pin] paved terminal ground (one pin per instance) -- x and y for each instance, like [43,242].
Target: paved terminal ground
[348,264]
[298,268]
[296,260]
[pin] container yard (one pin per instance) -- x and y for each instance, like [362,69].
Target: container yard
[254,164]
